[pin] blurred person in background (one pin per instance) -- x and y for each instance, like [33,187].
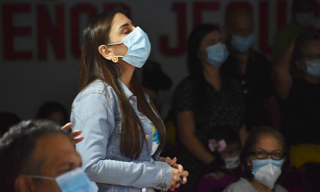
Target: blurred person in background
[251,68]
[224,143]
[204,100]
[53,111]
[297,81]
[261,158]
[153,80]
[302,18]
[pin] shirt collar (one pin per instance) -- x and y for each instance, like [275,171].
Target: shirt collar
[125,89]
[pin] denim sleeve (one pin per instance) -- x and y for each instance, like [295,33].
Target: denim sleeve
[94,115]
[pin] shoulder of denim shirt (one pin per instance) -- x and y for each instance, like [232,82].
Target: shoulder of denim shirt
[95,87]
[129,93]
[99,86]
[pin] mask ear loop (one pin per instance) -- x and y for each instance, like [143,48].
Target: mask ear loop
[115,43]
[115,58]
[42,177]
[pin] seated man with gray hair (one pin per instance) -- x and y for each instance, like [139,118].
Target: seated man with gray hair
[40,156]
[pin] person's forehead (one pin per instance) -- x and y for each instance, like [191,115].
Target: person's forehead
[313,46]
[268,142]
[239,15]
[53,148]
[118,20]
[212,35]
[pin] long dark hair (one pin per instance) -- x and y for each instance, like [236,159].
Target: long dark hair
[253,138]
[94,66]
[195,69]
[299,46]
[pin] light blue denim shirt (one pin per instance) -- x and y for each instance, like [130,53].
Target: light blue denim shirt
[96,112]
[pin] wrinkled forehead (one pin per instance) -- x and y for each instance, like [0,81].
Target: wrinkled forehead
[51,148]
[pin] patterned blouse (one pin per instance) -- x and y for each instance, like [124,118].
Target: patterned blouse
[224,108]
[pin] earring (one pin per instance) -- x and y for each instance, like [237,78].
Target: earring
[115,59]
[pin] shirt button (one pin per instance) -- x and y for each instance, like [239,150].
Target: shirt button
[245,91]
[143,190]
[131,101]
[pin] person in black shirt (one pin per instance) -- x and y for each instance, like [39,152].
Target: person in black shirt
[252,69]
[297,82]
[205,100]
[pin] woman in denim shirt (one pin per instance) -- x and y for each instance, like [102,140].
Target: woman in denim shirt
[123,134]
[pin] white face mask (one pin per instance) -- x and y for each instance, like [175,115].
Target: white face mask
[232,162]
[267,171]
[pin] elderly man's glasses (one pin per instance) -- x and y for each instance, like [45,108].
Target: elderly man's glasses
[262,154]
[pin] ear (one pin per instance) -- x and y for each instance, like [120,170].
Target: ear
[105,52]
[23,183]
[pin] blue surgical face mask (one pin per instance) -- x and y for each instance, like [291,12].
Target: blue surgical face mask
[217,54]
[257,164]
[139,47]
[313,68]
[242,44]
[72,181]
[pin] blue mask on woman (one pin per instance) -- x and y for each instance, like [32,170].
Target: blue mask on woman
[139,47]
[257,164]
[217,54]
[242,44]
[313,68]
[72,181]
